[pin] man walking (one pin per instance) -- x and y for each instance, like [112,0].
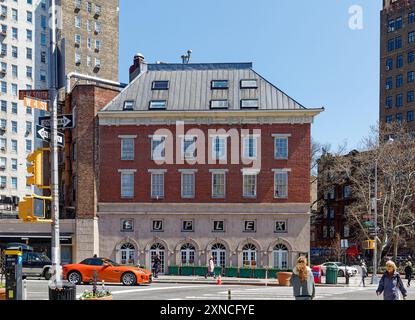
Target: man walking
[364,273]
[156,265]
[211,269]
[408,272]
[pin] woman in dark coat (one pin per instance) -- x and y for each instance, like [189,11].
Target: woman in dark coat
[408,272]
[391,284]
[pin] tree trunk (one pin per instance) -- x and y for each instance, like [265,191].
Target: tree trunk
[395,247]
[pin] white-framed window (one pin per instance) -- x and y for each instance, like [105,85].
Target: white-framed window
[281,148]
[346,231]
[249,84]
[128,105]
[77,21]
[218,185]
[250,144]
[249,103]
[128,254]
[127,185]
[250,185]
[281,185]
[77,58]
[249,255]
[346,192]
[325,232]
[188,185]
[158,104]
[187,252]
[127,149]
[219,148]
[158,148]
[188,148]
[219,104]
[157,185]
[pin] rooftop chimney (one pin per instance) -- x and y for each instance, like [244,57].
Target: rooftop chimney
[138,67]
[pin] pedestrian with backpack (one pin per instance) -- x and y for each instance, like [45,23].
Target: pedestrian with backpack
[391,284]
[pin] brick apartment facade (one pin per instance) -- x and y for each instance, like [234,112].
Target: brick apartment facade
[397,62]
[187,212]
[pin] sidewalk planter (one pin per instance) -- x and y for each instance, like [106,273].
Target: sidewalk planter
[284,279]
[259,273]
[187,271]
[2,294]
[245,273]
[174,270]
[231,272]
[97,299]
[201,271]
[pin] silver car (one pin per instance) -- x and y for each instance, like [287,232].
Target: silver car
[352,271]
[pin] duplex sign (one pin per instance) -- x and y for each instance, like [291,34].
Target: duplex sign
[44,134]
[64,122]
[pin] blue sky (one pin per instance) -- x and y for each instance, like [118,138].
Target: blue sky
[304,47]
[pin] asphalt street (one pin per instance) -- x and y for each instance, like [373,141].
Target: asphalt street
[38,290]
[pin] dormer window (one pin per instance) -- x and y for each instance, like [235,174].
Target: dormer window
[158,104]
[250,103]
[220,84]
[160,85]
[128,106]
[249,84]
[219,104]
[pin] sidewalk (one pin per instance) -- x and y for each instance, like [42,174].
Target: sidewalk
[354,282]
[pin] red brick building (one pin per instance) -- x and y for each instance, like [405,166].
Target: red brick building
[200,160]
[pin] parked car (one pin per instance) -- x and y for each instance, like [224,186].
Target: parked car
[341,267]
[34,264]
[106,270]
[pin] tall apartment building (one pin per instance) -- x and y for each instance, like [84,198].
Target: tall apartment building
[88,40]
[88,44]
[397,62]
[24,40]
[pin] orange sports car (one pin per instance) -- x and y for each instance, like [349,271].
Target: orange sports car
[106,270]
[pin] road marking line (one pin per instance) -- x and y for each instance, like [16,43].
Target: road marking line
[160,289]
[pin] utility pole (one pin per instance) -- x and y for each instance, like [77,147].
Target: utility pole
[375,279]
[56,252]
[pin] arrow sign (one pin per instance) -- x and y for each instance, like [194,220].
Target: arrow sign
[64,122]
[44,134]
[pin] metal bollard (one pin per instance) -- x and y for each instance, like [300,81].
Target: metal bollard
[24,290]
[229,294]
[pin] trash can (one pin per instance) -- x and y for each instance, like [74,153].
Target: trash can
[317,274]
[66,292]
[331,275]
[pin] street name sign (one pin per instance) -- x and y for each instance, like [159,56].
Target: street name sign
[64,122]
[44,134]
[36,104]
[35,94]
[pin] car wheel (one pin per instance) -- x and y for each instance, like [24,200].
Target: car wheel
[341,273]
[129,279]
[74,277]
[47,274]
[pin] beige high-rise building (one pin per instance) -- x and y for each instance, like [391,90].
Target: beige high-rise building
[88,39]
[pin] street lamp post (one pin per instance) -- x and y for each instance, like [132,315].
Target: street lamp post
[56,255]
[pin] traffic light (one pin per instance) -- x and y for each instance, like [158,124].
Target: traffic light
[34,209]
[369,245]
[35,169]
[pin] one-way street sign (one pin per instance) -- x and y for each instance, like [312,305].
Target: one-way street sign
[64,122]
[44,134]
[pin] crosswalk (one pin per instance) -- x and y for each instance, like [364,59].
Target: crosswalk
[272,293]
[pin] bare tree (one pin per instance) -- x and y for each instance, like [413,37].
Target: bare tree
[390,149]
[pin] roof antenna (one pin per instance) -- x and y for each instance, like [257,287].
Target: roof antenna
[186,59]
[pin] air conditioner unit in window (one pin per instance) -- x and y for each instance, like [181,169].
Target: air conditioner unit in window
[388,87]
[3,14]
[3,167]
[2,186]
[3,148]
[387,68]
[97,66]
[3,32]
[3,72]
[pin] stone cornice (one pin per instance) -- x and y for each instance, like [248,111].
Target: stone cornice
[263,117]
[204,208]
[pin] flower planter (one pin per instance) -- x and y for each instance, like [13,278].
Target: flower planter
[259,273]
[284,279]
[245,273]
[2,294]
[95,299]
[218,271]
[273,273]
[201,271]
